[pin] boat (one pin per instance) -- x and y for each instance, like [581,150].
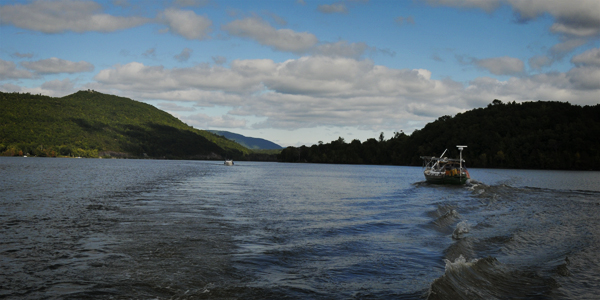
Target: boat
[445,170]
[229,162]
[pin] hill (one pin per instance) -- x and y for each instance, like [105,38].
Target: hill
[248,142]
[529,135]
[92,124]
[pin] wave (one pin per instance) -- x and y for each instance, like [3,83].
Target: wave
[444,216]
[487,278]
[460,230]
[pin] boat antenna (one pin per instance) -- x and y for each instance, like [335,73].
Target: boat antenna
[460,161]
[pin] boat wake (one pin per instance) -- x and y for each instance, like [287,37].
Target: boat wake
[516,242]
[487,278]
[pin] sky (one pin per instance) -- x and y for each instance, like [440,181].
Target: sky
[297,72]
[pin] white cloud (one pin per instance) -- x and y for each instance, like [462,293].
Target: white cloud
[575,17]
[561,49]
[280,39]
[169,106]
[335,91]
[65,86]
[207,122]
[184,55]
[135,76]
[8,70]
[54,88]
[496,65]
[588,58]
[576,21]
[56,65]
[186,23]
[502,65]
[587,77]
[540,61]
[65,15]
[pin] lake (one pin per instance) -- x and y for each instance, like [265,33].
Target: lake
[160,229]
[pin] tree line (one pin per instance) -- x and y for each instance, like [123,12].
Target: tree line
[528,135]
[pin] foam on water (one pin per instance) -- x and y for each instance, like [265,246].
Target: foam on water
[487,278]
[461,229]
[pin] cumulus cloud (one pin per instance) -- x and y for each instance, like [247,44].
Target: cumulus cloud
[280,39]
[502,65]
[588,58]
[184,55]
[540,61]
[309,91]
[8,70]
[339,91]
[577,18]
[576,21]
[206,121]
[65,86]
[54,88]
[243,77]
[585,77]
[56,65]
[186,23]
[169,106]
[586,74]
[65,15]
[497,65]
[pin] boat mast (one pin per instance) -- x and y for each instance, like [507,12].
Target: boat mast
[460,160]
[433,167]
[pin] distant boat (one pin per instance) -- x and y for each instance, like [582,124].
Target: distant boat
[445,170]
[229,162]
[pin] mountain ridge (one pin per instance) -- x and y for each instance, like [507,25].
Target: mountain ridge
[91,124]
[248,142]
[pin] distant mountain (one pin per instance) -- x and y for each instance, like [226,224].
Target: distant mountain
[248,142]
[92,124]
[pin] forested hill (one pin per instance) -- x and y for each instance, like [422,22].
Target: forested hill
[92,124]
[530,135]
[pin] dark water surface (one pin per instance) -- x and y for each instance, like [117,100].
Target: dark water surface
[151,229]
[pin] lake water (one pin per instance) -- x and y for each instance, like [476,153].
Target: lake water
[152,229]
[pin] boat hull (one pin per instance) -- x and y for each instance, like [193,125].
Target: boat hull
[444,179]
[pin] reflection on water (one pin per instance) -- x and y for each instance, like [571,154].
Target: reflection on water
[149,229]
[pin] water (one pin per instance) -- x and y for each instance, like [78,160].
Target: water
[151,229]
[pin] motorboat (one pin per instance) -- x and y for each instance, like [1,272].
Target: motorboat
[444,170]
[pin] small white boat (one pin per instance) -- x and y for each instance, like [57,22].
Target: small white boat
[229,162]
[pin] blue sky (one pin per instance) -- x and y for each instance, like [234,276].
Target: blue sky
[299,72]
